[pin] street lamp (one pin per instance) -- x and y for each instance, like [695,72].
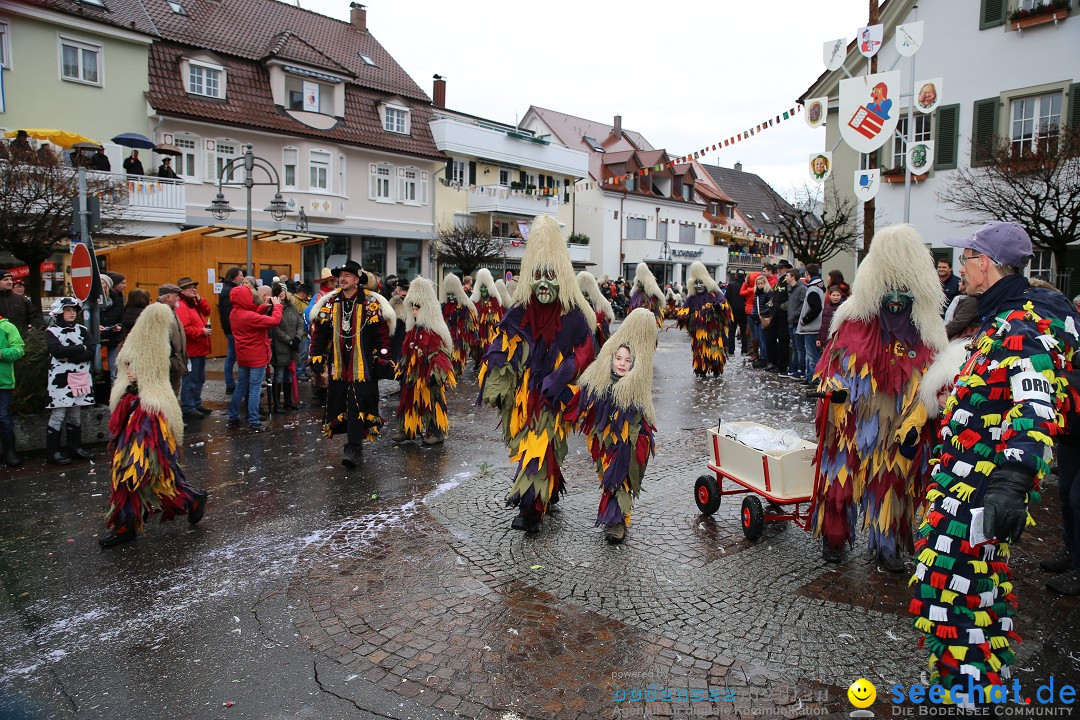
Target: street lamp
[220,207]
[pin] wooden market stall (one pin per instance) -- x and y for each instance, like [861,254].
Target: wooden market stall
[205,254]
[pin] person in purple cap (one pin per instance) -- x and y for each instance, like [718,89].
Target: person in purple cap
[999,426]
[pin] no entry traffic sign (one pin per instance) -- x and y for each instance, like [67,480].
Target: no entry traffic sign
[82,273]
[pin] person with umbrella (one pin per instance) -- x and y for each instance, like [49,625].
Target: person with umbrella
[100,161]
[132,164]
[165,170]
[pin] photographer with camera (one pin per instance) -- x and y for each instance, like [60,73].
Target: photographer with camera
[287,337]
[252,340]
[194,314]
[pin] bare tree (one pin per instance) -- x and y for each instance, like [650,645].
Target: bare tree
[467,247]
[35,208]
[1035,184]
[818,223]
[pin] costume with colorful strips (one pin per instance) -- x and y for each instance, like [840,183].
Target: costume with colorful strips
[460,316]
[425,369]
[489,311]
[875,445]
[528,373]
[600,304]
[1005,412]
[647,293]
[706,316]
[617,415]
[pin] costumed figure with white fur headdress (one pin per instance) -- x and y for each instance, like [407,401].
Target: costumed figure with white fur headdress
[504,294]
[528,373]
[459,312]
[614,409]
[647,294]
[489,312]
[351,340]
[604,313]
[425,369]
[672,301]
[876,444]
[146,434]
[706,316]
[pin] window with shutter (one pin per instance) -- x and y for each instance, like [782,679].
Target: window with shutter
[947,137]
[472,173]
[992,13]
[984,130]
[1074,107]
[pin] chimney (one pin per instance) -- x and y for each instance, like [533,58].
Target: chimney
[439,92]
[358,16]
[617,130]
[738,166]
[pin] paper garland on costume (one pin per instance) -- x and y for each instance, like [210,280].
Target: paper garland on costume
[920,156]
[820,166]
[928,94]
[817,110]
[833,53]
[869,39]
[867,113]
[867,183]
[909,38]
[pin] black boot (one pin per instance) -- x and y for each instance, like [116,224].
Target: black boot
[11,459]
[113,538]
[198,506]
[352,456]
[74,443]
[275,395]
[53,455]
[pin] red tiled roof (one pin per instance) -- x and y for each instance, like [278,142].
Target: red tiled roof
[127,14]
[249,103]
[570,130]
[288,46]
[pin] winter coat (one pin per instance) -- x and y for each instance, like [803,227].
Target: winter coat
[11,349]
[760,307]
[110,316]
[732,290]
[288,334]
[193,315]
[178,358]
[71,352]
[810,318]
[951,286]
[224,305]
[747,292]
[20,311]
[796,298]
[128,318]
[826,321]
[249,328]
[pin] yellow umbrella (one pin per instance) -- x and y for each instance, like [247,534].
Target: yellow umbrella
[63,138]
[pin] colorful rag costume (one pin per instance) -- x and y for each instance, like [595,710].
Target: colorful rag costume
[489,312]
[600,305]
[706,316]
[647,294]
[528,372]
[146,434]
[672,301]
[1005,411]
[425,369]
[460,316]
[875,445]
[617,415]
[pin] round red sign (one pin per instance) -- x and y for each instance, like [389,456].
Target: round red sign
[82,275]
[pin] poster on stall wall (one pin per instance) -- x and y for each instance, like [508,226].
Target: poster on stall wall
[867,183]
[869,39]
[909,38]
[817,110]
[833,53]
[920,156]
[867,116]
[928,95]
[820,166]
[311,96]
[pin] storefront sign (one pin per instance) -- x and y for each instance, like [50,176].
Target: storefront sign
[24,271]
[688,253]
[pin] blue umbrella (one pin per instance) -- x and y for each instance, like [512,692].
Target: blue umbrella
[134,140]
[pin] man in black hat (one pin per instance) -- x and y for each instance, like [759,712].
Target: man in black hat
[351,339]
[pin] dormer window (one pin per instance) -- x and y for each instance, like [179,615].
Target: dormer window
[396,119]
[308,95]
[206,79]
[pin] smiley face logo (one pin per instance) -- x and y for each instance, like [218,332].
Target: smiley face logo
[862,693]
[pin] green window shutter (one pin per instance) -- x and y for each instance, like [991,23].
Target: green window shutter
[472,173]
[947,137]
[984,126]
[1074,107]
[992,13]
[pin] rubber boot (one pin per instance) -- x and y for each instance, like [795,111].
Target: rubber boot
[11,458]
[74,443]
[275,395]
[197,506]
[53,455]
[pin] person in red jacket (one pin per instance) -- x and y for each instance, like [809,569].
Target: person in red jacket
[747,293]
[252,341]
[194,314]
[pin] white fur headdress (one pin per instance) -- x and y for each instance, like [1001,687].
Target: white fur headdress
[546,248]
[644,275]
[698,271]
[422,293]
[451,286]
[146,353]
[483,279]
[504,293]
[898,260]
[591,290]
[638,332]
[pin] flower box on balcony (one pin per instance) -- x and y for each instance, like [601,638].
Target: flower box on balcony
[899,177]
[1045,14]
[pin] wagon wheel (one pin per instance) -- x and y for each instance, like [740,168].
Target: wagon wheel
[753,517]
[707,494]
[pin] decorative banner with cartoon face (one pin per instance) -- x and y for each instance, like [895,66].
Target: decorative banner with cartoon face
[867,116]
[820,166]
[909,37]
[869,39]
[920,156]
[817,109]
[928,94]
[833,53]
[867,183]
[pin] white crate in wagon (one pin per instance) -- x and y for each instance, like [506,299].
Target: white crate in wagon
[783,476]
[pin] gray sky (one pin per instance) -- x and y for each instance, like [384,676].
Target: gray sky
[684,74]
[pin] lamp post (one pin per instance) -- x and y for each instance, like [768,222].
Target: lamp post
[220,207]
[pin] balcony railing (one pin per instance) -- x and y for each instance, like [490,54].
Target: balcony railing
[499,198]
[153,199]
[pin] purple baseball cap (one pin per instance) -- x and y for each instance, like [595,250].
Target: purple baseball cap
[1005,243]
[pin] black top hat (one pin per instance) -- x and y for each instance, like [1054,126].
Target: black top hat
[351,266]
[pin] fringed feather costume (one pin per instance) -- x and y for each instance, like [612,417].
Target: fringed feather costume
[706,316]
[489,312]
[875,446]
[672,301]
[425,369]
[600,305]
[528,372]
[146,434]
[460,316]
[647,294]
[504,294]
[614,409]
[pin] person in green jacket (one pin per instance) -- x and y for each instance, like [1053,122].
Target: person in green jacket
[11,349]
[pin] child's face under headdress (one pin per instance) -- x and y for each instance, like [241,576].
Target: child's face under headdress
[622,362]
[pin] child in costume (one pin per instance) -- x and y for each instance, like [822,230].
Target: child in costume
[647,294]
[71,349]
[146,431]
[489,311]
[604,314]
[460,316]
[425,368]
[876,445]
[705,315]
[544,342]
[614,409]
